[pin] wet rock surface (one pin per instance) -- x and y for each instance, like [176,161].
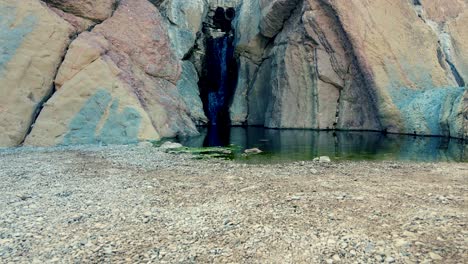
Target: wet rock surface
[139,204]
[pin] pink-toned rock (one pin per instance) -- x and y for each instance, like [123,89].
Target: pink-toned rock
[441,11]
[90,9]
[395,49]
[80,24]
[33,40]
[126,60]
[136,31]
[310,79]
[85,49]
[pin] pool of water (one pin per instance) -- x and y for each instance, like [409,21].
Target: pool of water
[298,145]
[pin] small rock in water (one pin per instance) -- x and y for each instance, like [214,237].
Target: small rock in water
[253,151]
[170,145]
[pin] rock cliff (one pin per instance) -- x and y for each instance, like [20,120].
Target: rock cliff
[122,71]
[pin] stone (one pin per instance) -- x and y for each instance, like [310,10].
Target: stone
[89,9]
[259,95]
[170,145]
[274,14]
[94,107]
[145,144]
[188,89]
[250,43]
[392,66]
[117,83]
[459,33]
[336,258]
[324,159]
[107,65]
[306,78]
[435,256]
[185,21]
[33,40]
[84,50]
[311,64]
[80,24]
[239,108]
[253,151]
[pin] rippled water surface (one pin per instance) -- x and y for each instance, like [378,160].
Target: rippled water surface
[298,145]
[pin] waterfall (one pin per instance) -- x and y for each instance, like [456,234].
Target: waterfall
[219,74]
[221,80]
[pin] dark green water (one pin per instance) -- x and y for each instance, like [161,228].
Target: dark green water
[298,145]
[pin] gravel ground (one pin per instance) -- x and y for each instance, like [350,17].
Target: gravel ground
[139,205]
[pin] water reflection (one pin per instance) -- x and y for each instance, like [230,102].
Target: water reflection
[290,145]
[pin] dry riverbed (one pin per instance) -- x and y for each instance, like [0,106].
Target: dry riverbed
[138,204]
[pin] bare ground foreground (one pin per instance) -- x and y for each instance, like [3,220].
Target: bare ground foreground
[139,205]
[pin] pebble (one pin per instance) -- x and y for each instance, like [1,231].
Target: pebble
[219,211]
[336,258]
[435,256]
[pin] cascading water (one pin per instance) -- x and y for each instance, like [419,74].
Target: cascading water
[219,76]
[220,84]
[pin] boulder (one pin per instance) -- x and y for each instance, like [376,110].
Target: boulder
[115,90]
[90,9]
[80,24]
[93,107]
[170,146]
[33,40]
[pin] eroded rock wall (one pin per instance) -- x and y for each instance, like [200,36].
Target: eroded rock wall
[93,72]
[396,66]
[304,67]
[33,40]
[89,72]
[118,83]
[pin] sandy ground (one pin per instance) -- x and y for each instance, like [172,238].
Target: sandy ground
[140,205]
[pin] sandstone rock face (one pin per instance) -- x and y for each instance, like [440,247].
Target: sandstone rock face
[80,24]
[459,32]
[32,42]
[305,77]
[93,107]
[113,89]
[274,15]
[250,43]
[400,58]
[350,65]
[89,9]
[448,20]
[186,19]
[188,89]
[132,71]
